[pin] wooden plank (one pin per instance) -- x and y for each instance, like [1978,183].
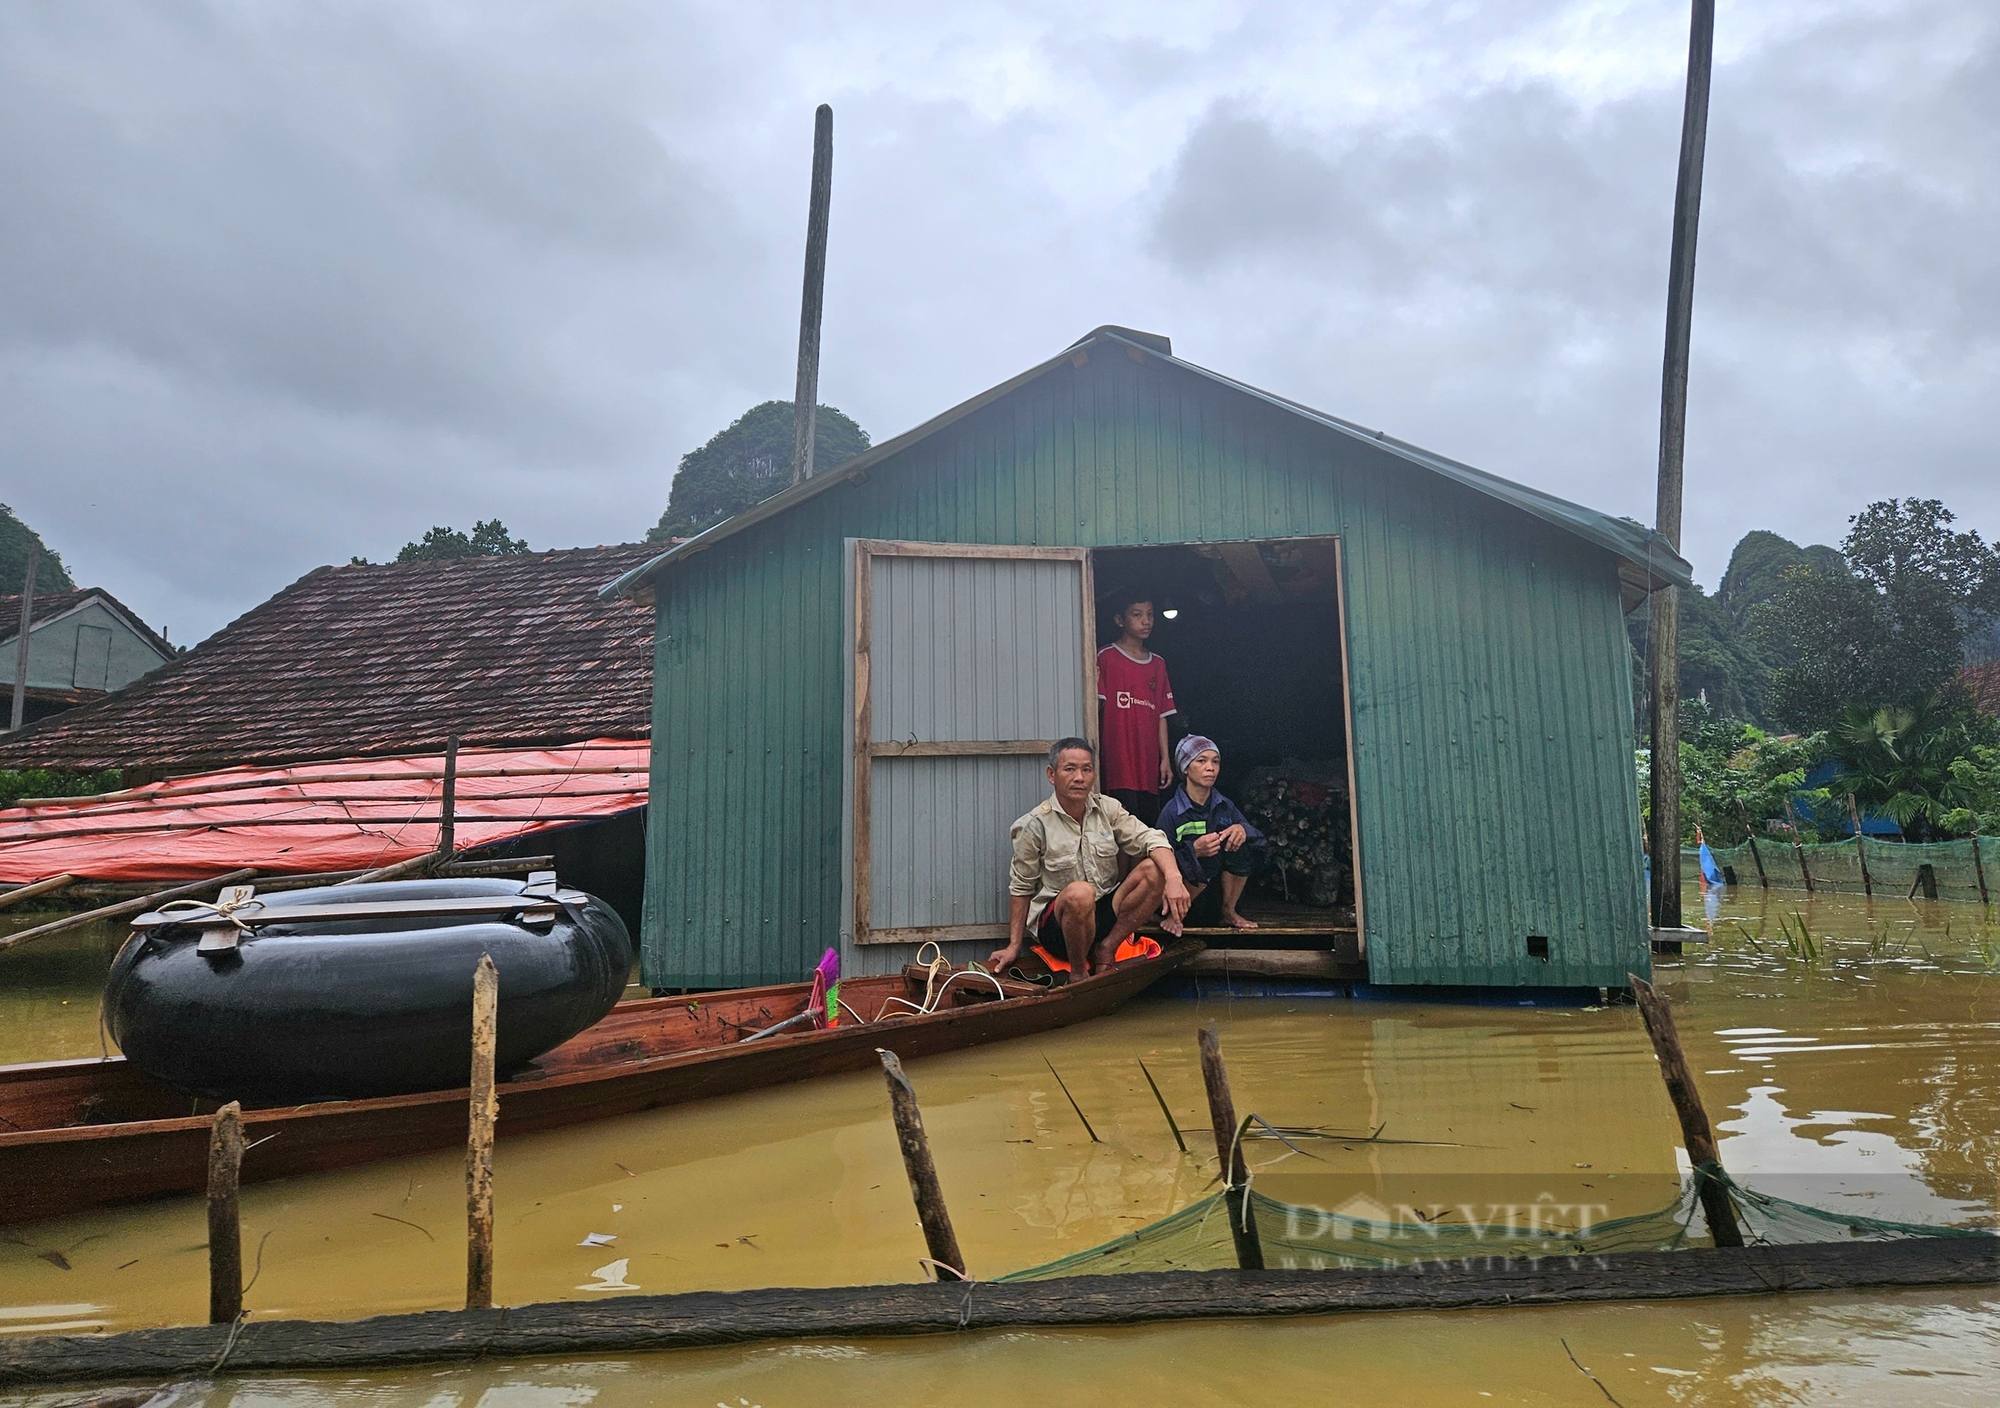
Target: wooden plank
[879,547]
[935,933]
[471,905]
[704,1319]
[864,734]
[1275,963]
[964,748]
[1347,722]
[1091,720]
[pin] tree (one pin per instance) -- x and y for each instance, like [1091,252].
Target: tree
[489,539]
[1890,628]
[1918,764]
[748,462]
[16,538]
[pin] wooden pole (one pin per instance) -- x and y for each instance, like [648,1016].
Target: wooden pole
[1751,835]
[225,1225]
[448,812]
[1854,818]
[1663,644]
[393,872]
[1979,867]
[124,907]
[479,1141]
[1695,1132]
[1235,1172]
[939,1239]
[27,629]
[806,398]
[36,887]
[1798,851]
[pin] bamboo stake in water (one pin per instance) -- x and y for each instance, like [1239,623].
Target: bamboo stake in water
[1755,854]
[1854,816]
[939,1239]
[1979,867]
[1229,1148]
[225,1227]
[1696,1135]
[479,1141]
[1798,851]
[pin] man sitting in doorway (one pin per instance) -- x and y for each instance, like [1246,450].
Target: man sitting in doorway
[1065,888]
[1212,839]
[1134,700]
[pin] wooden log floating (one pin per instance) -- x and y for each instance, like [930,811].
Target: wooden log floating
[1696,1134]
[939,1238]
[485,1114]
[1229,1150]
[225,1224]
[700,1319]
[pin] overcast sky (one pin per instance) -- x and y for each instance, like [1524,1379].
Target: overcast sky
[280,283]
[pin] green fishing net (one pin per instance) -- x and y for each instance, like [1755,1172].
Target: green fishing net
[1836,865]
[1197,1238]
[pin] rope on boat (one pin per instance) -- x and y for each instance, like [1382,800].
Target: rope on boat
[934,991]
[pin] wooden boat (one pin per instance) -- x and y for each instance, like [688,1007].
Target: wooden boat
[76,1135]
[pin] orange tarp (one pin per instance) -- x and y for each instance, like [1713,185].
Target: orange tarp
[351,815]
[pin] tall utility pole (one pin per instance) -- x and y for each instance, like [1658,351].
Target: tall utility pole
[806,399]
[1663,657]
[27,629]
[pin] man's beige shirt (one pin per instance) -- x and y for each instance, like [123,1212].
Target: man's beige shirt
[1052,850]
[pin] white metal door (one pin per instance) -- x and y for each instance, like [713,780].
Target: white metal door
[969,661]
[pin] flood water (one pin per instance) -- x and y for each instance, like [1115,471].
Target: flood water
[1849,1052]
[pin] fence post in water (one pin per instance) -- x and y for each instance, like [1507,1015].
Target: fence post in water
[1978,867]
[448,812]
[1695,1132]
[479,1142]
[225,1228]
[939,1239]
[1854,818]
[1751,836]
[1235,1172]
[1798,851]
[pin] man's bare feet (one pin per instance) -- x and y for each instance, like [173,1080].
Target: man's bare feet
[1237,921]
[1171,925]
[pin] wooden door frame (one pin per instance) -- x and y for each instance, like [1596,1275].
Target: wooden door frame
[866,749]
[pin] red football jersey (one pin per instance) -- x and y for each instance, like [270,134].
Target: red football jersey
[1133,696]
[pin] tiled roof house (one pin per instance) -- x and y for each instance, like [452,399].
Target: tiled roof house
[364,661]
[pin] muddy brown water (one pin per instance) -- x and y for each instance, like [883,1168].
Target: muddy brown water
[1849,1052]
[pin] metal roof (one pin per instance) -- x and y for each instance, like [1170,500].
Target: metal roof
[1644,549]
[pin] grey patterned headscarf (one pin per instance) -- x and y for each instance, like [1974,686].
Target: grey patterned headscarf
[1192,747]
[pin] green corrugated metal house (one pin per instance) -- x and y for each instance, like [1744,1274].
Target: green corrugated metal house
[853,680]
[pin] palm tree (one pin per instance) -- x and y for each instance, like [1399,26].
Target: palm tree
[1897,759]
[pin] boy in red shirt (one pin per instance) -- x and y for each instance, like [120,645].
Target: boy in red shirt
[1134,698]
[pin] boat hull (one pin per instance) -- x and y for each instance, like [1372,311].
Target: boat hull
[359,1009]
[603,1073]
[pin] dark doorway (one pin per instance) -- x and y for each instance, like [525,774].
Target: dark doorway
[1251,633]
